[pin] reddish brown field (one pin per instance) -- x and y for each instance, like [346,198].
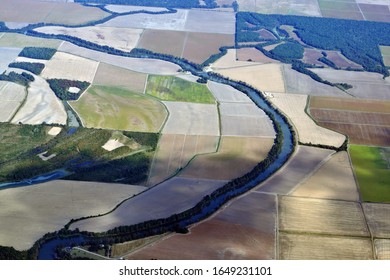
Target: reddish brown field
[266,35]
[375,12]
[342,14]
[340,60]
[364,121]
[252,54]
[311,56]
[163,41]
[197,51]
[245,229]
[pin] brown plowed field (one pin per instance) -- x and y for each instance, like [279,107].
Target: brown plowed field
[245,229]
[312,247]
[364,121]
[252,54]
[236,157]
[163,41]
[174,152]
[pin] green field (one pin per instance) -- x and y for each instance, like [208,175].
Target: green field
[80,152]
[19,41]
[118,108]
[385,50]
[169,88]
[372,171]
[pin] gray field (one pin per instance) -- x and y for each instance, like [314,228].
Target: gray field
[378,219]
[382,249]
[191,119]
[301,165]
[241,110]
[7,55]
[247,126]
[210,22]
[11,92]
[225,93]
[30,212]
[300,83]
[143,65]
[170,197]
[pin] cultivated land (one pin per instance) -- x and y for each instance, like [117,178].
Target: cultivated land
[66,66]
[11,97]
[225,93]
[382,249]
[272,76]
[41,105]
[252,54]
[372,173]
[303,163]
[118,108]
[302,84]
[20,41]
[365,85]
[170,197]
[233,233]
[174,151]
[385,54]
[309,215]
[125,8]
[143,65]
[293,105]
[377,216]
[316,247]
[295,7]
[229,60]
[191,119]
[236,157]
[48,206]
[124,39]
[340,185]
[7,55]
[170,88]
[110,75]
[49,12]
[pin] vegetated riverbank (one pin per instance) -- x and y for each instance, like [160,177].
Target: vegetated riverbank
[282,149]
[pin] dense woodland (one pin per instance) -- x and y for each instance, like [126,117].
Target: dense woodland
[33,67]
[38,53]
[357,40]
[61,88]
[23,79]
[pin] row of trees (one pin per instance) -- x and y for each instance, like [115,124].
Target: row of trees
[23,79]
[33,67]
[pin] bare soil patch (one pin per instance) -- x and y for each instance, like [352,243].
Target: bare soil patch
[47,207]
[303,163]
[229,60]
[313,247]
[170,197]
[245,229]
[175,151]
[235,157]
[339,185]
[163,41]
[252,54]
[310,215]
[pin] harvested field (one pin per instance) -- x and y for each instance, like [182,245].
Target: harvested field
[245,229]
[71,67]
[267,77]
[252,54]
[385,54]
[153,204]
[302,84]
[235,157]
[372,173]
[229,60]
[293,105]
[341,61]
[225,93]
[215,22]
[11,97]
[382,249]
[197,51]
[110,75]
[291,7]
[349,104]
[120,109]
[30,60]
[172,21]
[377,216]
[311,56]
[41,106]
[191,119]
[54,131]
[303,163]
[310,215]
[342,14]
[7,55]
[143,65]
[353,117]
[271,47]
[315,247]
[124,39]
[126,8]
[340,185]
[365,84]
[175,151]
[47,207]
[21,41]
[172,88]
[50,12]
[163,41]
[339,6]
